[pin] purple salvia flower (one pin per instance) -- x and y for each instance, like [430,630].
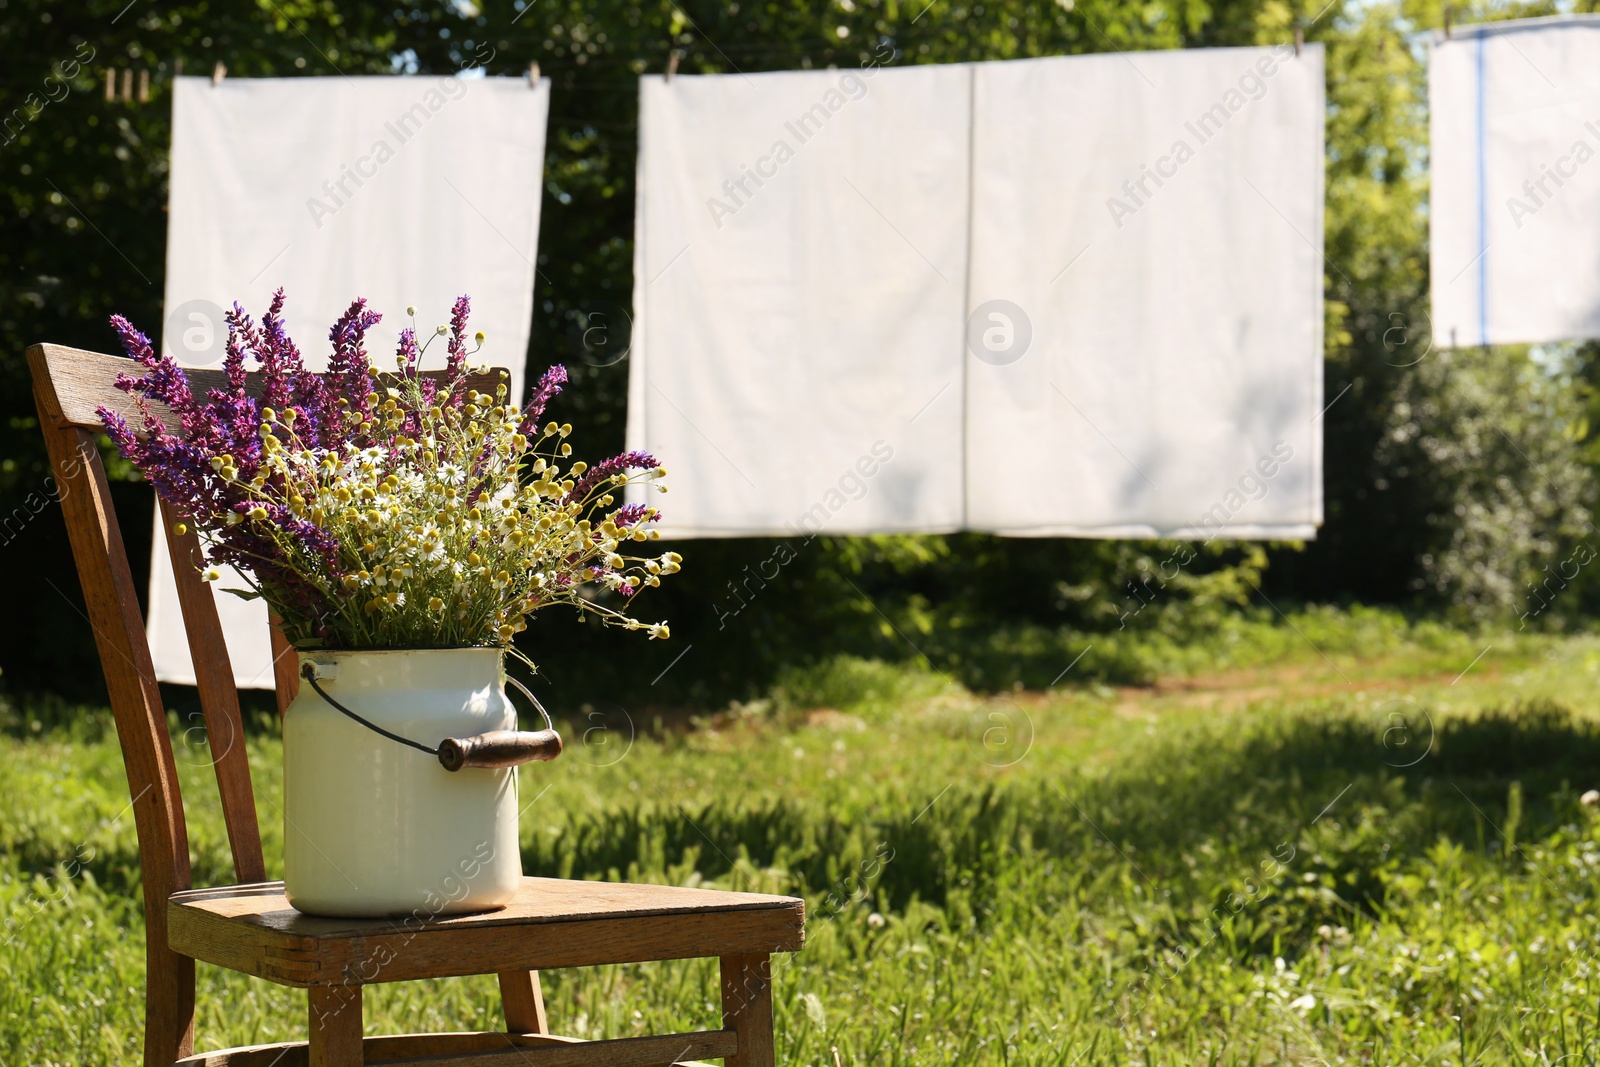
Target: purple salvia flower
[280,359]
[235,412]
[406,353]
[164,383]
[608,467]
[550,384]
[347,372]
[455,363]
[630,514]
[244,340]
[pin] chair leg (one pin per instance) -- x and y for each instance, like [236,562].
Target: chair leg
[747,1008]
[335,1026]
[523,1001]
[169,1001]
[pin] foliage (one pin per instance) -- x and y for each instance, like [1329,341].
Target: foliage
[1496,434]
[83,232]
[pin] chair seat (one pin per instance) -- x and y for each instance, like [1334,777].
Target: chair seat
[550,923]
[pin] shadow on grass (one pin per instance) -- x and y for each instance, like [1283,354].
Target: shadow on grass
[1311,815]
[1196,813]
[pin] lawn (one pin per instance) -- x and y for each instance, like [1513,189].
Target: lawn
[1346,841]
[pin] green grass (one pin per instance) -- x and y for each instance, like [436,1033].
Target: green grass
[1251,867]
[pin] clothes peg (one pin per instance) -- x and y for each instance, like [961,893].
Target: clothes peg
[672,64]
[144,87]
[111,86]
[218,72]
[1449,21]
[1299,39]
[533,74]
[127,86]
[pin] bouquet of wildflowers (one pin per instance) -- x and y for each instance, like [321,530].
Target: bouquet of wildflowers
[388,510]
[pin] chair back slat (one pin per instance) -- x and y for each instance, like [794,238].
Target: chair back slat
[85,381]
[285,669]
[219,700]
[112,603]
[88,380]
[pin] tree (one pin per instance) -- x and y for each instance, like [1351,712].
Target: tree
[83,181]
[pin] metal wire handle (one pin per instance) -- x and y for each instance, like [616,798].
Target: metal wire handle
[532,700]
[309,672]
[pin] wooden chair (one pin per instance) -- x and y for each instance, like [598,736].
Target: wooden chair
[250,927]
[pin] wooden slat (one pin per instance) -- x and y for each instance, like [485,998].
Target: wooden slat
[85,381]
[373,1049]
[285,668]
[536,1050]
[747,1008]
[551,923]
[658,1050]
[113,608]
[335,1016]
[554,945]
[537,900]
[522,1000]
[440,954]
[219,700]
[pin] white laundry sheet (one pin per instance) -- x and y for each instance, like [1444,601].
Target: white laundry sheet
[1153,223]
[800,267]
[923,299]
[404,190]
[1515,157]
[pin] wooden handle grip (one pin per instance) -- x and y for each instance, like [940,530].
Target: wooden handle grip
[499,748]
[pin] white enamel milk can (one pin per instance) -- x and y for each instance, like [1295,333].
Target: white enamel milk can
[400,783]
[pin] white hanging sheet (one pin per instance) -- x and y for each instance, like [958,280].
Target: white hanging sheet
[404,190]
[1514,218]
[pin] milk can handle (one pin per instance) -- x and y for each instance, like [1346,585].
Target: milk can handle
[497,748]
[503,748]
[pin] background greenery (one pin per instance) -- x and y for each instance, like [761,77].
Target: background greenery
[1453,481]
